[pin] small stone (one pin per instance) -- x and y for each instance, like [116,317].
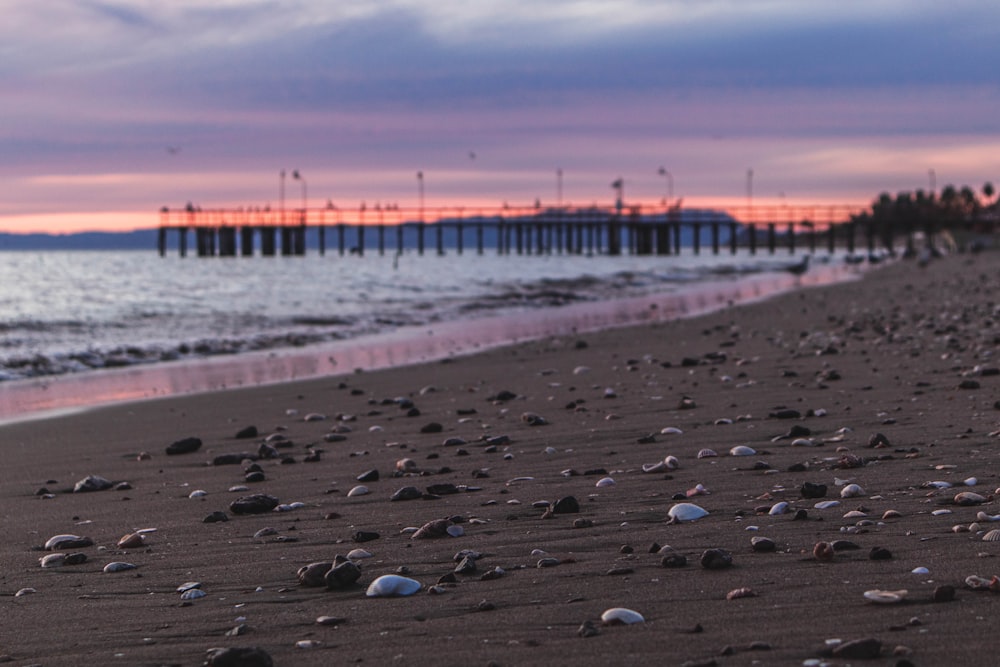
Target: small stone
[363,536]
[762,544]
[216,517]
[812,490]
[341,576]
[368,476]
[566,505]
[246,433]
[432,427]
[258,503]
[407,493]
[716,559]
[92,483]
[943,593]
[238,656]
[858,649]
[879,553]
[587,629]
[312,575]
[185,446]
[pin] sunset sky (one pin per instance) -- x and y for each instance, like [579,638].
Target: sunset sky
[112,109]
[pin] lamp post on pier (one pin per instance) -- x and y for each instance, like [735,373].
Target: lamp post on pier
[670,185]
[299,177]
[420,193]
[281,195]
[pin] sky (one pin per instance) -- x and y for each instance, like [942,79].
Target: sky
[112,109]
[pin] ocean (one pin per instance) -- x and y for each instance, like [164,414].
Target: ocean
[82,314]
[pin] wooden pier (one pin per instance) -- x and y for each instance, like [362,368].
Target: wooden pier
[635,230]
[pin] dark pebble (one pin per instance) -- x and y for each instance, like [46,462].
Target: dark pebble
[879,553]
[858,649]
[673,560]
[785,413]
[942,593]
[185,446]
[365,536]
[442,489]
[716,559]
[238,656]
[344,575]
[247,433]
[233,459]
[812,490]
[216,517]
[407,493]
[255,476]
[587,629]
[257,503]
[566,505]
[433,427]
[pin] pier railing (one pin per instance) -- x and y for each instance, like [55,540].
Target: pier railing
[642,229]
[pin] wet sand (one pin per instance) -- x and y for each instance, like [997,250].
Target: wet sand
[889,354]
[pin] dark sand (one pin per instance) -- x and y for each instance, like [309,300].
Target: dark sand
[883,355]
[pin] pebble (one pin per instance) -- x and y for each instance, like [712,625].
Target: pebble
[716,559]
[92,483]
[118,566]
[621,616]
[238,656]
[258,503]
[391,585]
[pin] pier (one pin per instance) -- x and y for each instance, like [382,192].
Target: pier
[637,230]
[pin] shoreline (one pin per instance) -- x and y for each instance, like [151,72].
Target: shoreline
[42,397]
[904,352]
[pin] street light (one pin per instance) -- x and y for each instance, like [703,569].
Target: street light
[281,195]
[619,187]
[670,184]
[420,192]
[298,177]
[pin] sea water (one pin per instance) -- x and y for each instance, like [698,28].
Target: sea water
[81,313]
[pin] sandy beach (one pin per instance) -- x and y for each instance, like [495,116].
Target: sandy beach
[889,383]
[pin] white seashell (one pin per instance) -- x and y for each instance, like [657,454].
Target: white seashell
[826,504]
[851,491]
[118,566]
[605,481]
[686,512]
[803,442]
[358,554]
[974,527]
[855,514]
[239,488]
[392,585]
[885,597]
[580,370]
[359,490]
[983,516]
[742,450]
[621,616]
[455,530]
[778,508]
[308,643]
[188,585]
[24,591]
[723,421]
[920,570]
[265,532]
[992,536]
[654,467]
[53,560]
[550,450]
[193,594]
[970,481]
[820,412]
[198,493]
[939,484]
[706,453]
[940,512]
[671,462]
[375,428]
[671,430]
